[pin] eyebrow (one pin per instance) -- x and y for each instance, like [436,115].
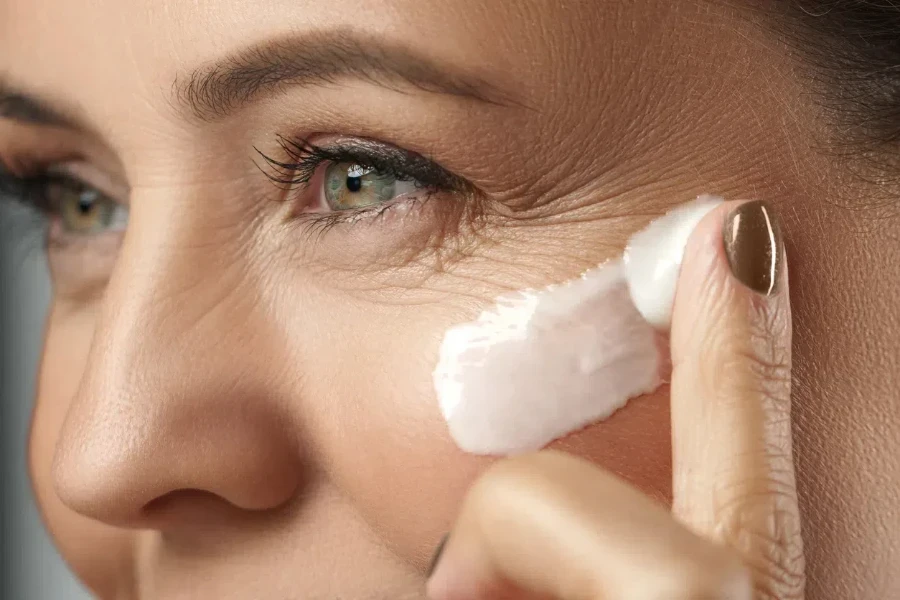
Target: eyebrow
[19,106]
[213,92]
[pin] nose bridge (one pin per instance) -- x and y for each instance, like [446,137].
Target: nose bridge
[175,395]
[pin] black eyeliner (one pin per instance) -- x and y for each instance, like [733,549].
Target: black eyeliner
[303,158]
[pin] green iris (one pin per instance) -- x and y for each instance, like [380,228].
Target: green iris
[349,186]
[85,210]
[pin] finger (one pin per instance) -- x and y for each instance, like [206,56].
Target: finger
[731,429]
[549,525]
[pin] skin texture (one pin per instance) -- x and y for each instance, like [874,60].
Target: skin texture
[550,526]
[234,406]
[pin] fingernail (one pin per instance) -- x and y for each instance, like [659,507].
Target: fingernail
[437,555]
[754,246]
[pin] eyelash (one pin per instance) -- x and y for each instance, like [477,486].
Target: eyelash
[305,158]
[294,174]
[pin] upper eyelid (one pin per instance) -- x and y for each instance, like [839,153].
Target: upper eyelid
[363,151]
[31,172]
[30,190]
[88,175]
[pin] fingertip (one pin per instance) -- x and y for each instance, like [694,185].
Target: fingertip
[704,289]
[745,238]
[439,583]
[460,571]
[753,246]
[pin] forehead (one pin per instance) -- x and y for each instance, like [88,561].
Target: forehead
[93,52]
[88,50]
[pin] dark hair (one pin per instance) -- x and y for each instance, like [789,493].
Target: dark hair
[854,48]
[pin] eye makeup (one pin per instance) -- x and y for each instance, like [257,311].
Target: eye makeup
[372,171]
[540,364]
[303,157]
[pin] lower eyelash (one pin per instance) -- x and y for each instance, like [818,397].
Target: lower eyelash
[318,224]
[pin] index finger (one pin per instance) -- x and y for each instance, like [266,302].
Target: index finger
[731,431]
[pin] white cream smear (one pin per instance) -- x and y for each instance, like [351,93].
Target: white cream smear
[541,364]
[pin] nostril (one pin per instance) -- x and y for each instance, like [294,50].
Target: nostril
[149,490]
[188,509]
[190,496]
[152,454]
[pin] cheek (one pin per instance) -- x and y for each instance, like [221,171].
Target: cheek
[634,443]
[386,445]
[378,431]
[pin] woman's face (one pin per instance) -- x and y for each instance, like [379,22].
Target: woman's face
[236,399]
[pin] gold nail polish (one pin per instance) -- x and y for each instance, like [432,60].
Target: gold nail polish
[754,246]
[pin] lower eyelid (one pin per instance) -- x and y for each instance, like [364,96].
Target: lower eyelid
[119,221]
[408,187]
[75,244]
[81,265]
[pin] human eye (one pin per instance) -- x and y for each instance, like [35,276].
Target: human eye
[350,179]
[75,208]
[84,215]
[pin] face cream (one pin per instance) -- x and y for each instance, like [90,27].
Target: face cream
[540,364]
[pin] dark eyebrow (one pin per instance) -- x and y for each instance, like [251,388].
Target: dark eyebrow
[19,106]
[214,91]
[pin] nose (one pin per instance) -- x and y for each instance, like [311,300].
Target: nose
[178,406]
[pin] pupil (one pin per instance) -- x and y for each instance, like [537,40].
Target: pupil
[85,204]
[354,184]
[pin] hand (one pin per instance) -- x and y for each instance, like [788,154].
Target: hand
[551,526]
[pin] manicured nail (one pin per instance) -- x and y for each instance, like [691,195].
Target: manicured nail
[754,246]
[437,555]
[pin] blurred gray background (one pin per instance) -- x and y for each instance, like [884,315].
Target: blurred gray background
[30,568]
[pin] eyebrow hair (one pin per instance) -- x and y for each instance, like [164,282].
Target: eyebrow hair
[213,92]
[19,106]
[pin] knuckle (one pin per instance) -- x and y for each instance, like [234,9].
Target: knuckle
[768,356]
[762,524]
[753,368]
[748,356]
